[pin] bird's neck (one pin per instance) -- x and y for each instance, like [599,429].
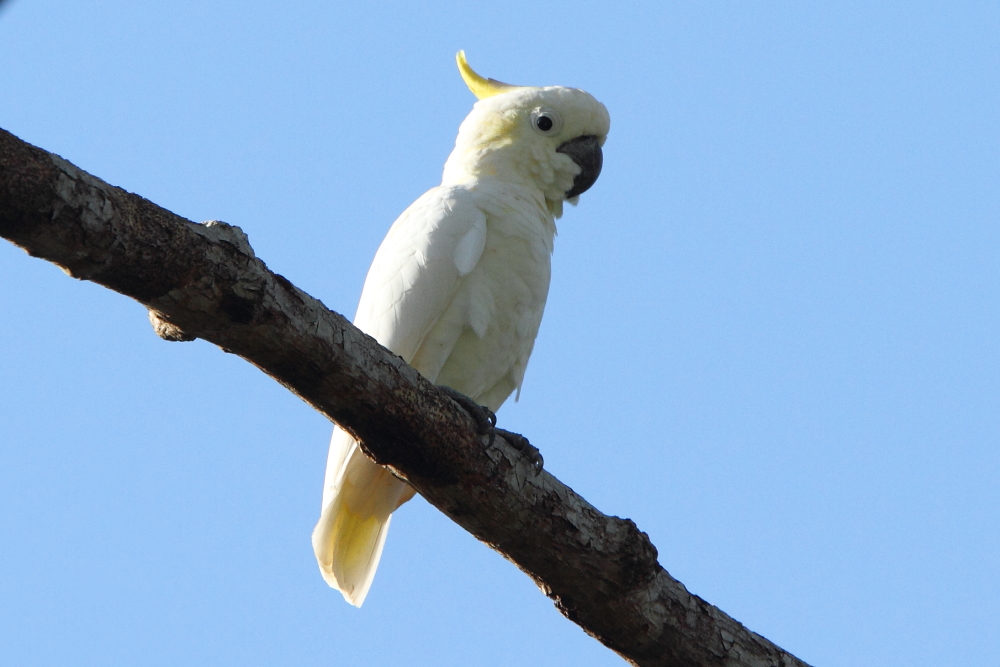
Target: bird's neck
[490,170]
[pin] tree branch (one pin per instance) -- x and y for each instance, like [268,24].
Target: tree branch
[203,281]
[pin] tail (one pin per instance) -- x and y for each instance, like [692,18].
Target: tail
[358,500]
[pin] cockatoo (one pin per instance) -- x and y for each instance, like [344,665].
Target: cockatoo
[458,286]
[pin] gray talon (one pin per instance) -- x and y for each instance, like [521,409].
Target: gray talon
[521,444]
[486,424]
[486,419]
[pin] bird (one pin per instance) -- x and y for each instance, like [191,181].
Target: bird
[458,286]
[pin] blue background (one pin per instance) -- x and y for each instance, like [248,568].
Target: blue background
[771,338]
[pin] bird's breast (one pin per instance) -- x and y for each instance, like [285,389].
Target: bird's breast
[498,308]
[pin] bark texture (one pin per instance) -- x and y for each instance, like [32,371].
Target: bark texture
[203,281]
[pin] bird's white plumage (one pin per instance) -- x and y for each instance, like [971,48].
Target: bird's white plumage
[457,289]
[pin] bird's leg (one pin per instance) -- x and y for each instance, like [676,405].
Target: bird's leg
[486,422]
[521,444]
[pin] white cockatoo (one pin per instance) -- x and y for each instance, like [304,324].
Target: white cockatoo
[458,286]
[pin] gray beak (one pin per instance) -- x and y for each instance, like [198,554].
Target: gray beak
[586,152]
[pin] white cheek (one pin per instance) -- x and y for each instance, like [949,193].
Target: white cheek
[541,166]
[564,164]
[565,171]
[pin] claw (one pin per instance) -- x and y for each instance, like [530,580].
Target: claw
[486,419]
[486,424]
[521,444]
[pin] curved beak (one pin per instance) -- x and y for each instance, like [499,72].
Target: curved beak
[586,152]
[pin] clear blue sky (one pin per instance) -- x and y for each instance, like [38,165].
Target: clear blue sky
[772,338]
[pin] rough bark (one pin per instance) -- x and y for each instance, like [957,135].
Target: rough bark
[203,281]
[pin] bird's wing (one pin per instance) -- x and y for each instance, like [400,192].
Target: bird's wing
[480,345]
[419,267]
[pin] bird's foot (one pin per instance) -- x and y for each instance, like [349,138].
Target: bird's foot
[486,422]
[485,419]
[521,444]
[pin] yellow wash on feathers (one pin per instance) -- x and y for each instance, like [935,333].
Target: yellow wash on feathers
[458,286]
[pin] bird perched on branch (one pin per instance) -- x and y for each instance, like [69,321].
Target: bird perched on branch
[458,286]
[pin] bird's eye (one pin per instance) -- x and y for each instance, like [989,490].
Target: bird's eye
[545,121]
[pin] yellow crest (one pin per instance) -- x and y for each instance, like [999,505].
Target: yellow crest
[480,87]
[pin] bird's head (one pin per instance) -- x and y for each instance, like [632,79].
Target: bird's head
[548,138]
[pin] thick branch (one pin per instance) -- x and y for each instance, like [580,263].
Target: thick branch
[204,281]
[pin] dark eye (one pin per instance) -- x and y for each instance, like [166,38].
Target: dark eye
[546,121]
